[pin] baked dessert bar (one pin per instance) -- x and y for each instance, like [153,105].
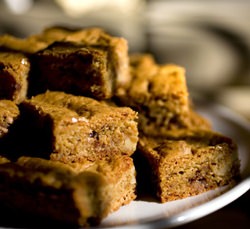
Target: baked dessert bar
[87,62]
[9,112]
[187,166]
[74,128]
[114,49]
[161,88]
[80,194]
[73,68]
[14,71]
[117,47]
[159,93]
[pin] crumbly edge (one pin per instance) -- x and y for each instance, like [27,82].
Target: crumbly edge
[185,170]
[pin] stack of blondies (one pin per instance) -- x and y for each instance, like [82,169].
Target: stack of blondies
[83,122]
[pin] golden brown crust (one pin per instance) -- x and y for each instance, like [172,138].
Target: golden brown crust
[159,93]
[81,128]
[154,85]
[117,47]
[189,165]
[116,57]
[27,45]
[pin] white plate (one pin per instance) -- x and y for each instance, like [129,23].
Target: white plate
[143,214]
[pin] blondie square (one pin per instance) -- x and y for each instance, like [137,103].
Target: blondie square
[73,68]
[14,71]
[117,47]
[73,128]
[9,112]
[188,166]
[159,93]
[100,49]
[80,194]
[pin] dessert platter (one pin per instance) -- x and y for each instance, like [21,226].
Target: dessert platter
[94,136]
